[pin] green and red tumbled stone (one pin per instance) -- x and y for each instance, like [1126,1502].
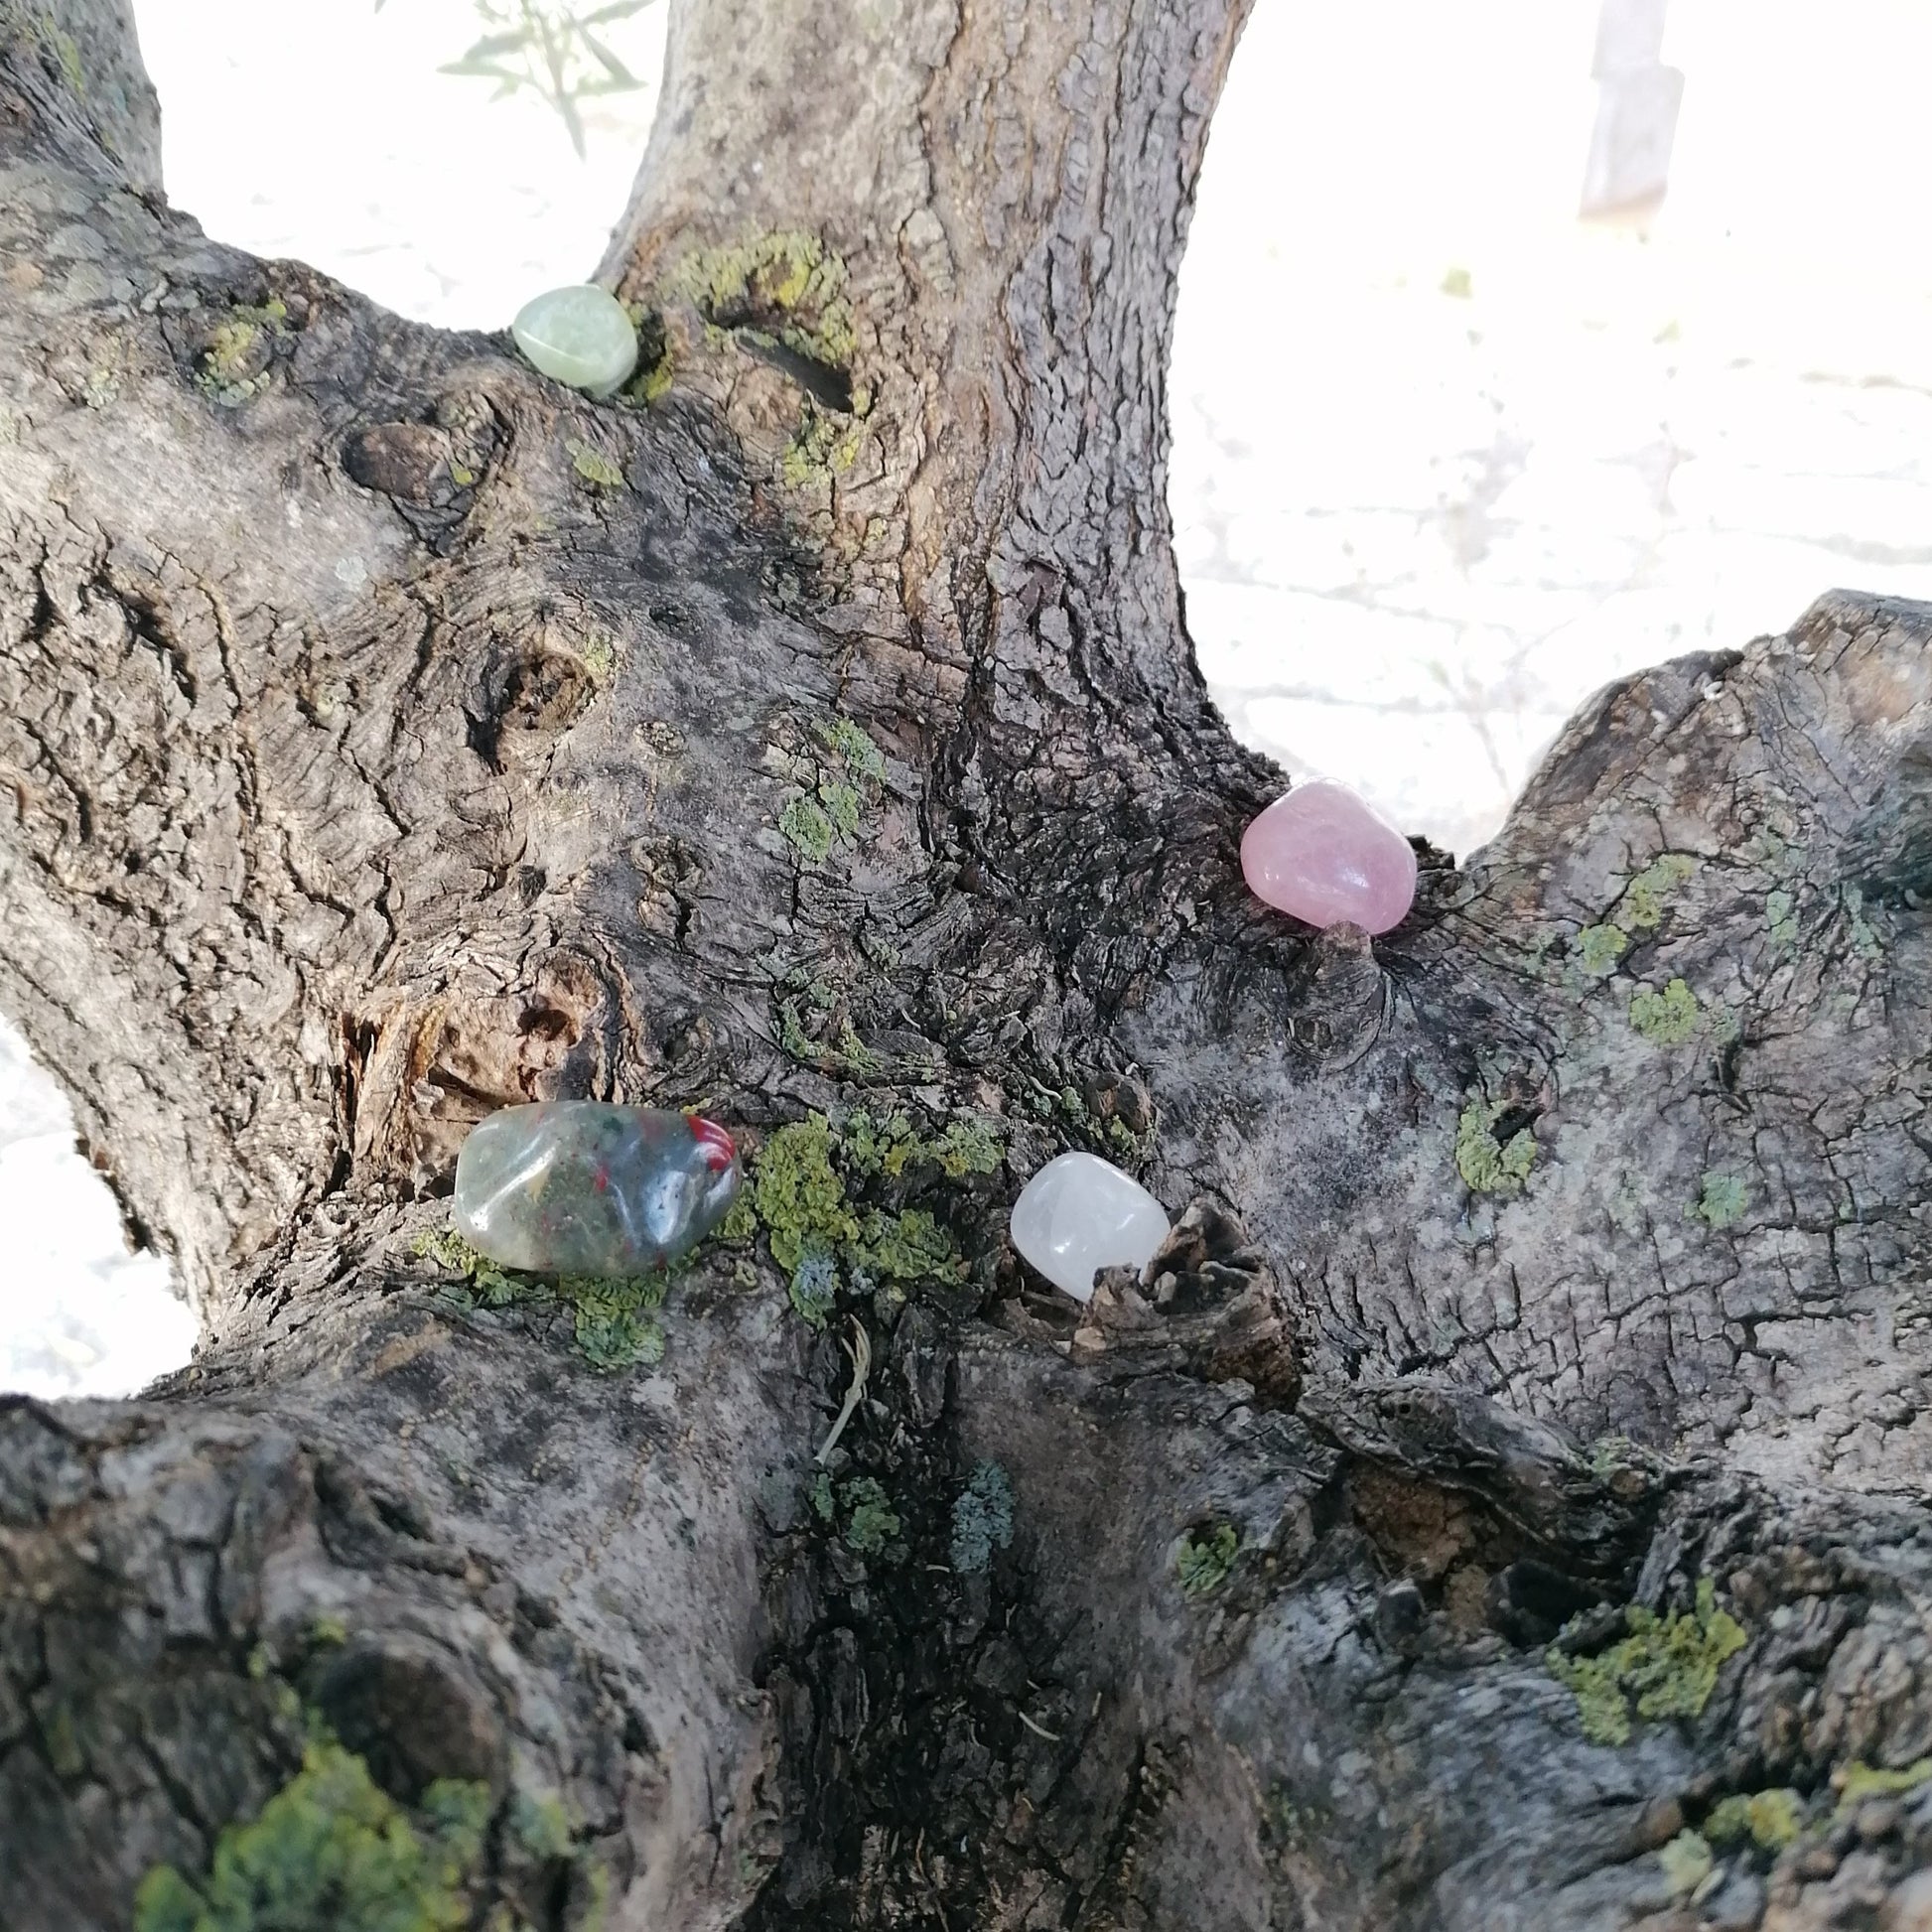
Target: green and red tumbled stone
[586,1187]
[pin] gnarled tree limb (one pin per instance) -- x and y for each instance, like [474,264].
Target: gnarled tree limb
[389,735]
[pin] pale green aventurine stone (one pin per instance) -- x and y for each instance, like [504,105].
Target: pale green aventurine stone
[580,335]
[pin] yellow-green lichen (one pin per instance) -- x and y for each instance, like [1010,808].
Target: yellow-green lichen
[1722,1200]
[1858,1780]
[610,1320]
[1769,1818]
[1488,1166]
[819,449]
[1206,1557]
[785,284]
[816,1233]
[1687,1862]
[1666,1018]
[1600,947]
[1647,894]
[331,1852]
[798,1194]
[593,466]
[1667,1665]
[236,364]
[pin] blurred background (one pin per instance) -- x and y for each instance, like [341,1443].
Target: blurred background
[1522,343]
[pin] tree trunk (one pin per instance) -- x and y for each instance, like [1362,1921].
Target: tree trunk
[812,732]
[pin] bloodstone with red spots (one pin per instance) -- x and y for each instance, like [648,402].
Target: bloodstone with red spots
[585,1187]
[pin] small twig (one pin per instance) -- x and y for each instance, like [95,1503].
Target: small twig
[860,1350]
[1039,1730]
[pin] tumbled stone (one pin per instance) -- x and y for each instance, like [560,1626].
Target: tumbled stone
[1322,856]
[1080,1214]
[580,335]
[584,1187]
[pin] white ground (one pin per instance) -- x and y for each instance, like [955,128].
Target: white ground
[1444,461]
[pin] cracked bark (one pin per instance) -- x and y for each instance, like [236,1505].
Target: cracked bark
[372,758]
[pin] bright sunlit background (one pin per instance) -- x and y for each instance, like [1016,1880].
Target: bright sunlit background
[1447,456]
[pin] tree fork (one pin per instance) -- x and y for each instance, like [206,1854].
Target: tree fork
[389,735]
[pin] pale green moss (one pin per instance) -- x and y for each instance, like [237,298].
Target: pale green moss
[1667,1665]
[1722,1200]
[1487,1165]
[1687,1862]
[331,1852]
[1666,1018]
[593,466]
[1769,1818]
[1600,947]
[1859,1780]
[1205,1559]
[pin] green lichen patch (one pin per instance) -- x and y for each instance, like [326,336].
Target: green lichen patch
[821,447]
[1600,947]
[808,829]
[331,1852]
[1489,1165]
[982,1519]
[1858,1780]
[798,1194]
[1687,1862]
[1771,1820]
[1866,941]
[1781,920]
[596,468]
[854,747]
[1205,1558]
[870,1523]
[235,364]
[1722,1200]
[1666,1018]
[1648,894]
[821,1238]
[610,1320]
[1667,1666]
[786,285]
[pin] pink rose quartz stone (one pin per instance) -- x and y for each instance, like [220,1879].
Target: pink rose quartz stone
[1322,856]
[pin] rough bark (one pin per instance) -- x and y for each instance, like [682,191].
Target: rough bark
[389,735]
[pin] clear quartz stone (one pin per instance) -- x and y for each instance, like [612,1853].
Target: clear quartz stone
[1080,1214]
[580,335]
[582,1187]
